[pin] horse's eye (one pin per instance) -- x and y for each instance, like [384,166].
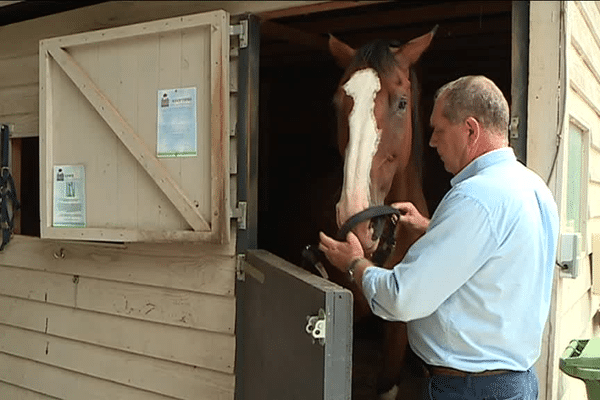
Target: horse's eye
[402,104]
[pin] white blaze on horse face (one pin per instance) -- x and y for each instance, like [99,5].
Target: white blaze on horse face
[362,145]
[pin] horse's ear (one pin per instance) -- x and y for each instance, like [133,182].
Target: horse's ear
[342,53]
[416,47]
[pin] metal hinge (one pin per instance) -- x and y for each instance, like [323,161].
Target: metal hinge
[514,127]
[11,129]
[241,214]
[242,30]
[240,271]
[316,327]
[243,268]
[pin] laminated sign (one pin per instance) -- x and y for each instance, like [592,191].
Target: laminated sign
[69,196]
[176,133]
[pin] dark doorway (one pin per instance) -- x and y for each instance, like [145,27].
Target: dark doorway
[300,168]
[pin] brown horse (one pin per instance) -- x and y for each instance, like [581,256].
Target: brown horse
[374,103]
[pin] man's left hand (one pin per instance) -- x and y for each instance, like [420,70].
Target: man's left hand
[341,254]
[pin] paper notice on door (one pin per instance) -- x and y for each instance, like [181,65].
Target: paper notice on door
[69,196]
[176,130]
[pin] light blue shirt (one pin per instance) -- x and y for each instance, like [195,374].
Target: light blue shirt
[475,289]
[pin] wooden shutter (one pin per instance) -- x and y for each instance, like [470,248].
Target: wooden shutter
[99,108]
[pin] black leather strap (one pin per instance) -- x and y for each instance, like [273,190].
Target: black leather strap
[311,254]
[369,213]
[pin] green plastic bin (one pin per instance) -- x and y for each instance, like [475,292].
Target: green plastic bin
[581,360]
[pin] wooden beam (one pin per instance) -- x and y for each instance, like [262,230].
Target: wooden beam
[129,137]
[313,8]
[403,16]
[199,267]
[273,30]
[453,34]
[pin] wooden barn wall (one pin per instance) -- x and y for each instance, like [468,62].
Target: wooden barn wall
[577,305]
[19,44]
[137,321]
[111,321]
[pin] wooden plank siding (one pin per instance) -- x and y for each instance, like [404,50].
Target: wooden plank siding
[198,348]
[576,304]
[19,42]
[117,321]
[19,95]
[156,375]
[157,304]
[16,392]
[65,384]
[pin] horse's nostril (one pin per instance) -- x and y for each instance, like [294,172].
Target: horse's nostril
[402,104]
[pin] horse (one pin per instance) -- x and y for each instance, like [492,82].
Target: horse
[374,103]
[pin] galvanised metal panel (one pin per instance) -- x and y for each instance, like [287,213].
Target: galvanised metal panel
[277,357]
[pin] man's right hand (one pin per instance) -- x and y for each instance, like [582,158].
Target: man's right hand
[411,218]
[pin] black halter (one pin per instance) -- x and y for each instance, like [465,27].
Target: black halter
[365,215]
[384,227]
[378,215]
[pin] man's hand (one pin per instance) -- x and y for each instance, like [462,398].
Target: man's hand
[411,218]
[341,254]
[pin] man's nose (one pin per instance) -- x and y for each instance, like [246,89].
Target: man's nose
[432,141]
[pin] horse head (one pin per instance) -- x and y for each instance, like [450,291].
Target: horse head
[374,103]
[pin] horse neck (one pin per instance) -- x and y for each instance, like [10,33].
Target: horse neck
[407,184]
[406,187]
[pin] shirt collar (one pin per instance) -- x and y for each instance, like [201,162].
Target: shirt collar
[482,162]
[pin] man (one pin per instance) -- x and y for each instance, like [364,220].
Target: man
[475,288]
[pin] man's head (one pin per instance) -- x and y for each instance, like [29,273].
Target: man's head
[469,118]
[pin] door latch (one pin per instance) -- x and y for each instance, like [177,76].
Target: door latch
[316,327]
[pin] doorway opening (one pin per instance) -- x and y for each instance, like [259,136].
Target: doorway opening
[300,167]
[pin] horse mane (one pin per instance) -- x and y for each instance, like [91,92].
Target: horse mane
[376,55]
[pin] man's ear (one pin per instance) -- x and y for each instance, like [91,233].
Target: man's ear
[474,129]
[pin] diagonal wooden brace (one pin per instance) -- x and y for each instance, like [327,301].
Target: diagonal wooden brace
[130,138]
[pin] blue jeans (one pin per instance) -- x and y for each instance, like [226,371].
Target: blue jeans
[509,386]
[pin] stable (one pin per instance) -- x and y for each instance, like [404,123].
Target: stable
[173,159]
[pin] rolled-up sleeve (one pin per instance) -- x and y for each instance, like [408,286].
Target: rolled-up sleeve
[458,242]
